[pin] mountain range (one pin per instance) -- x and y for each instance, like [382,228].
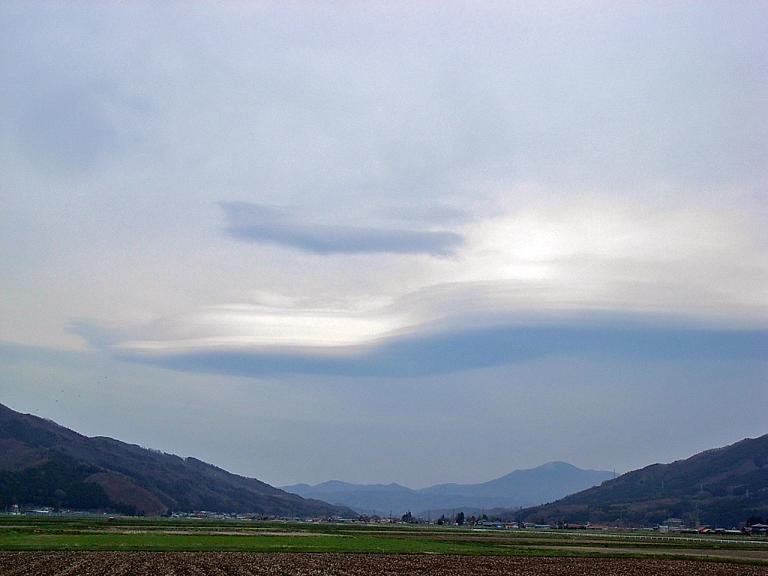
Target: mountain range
[720,487]
[517,489]
[44,464]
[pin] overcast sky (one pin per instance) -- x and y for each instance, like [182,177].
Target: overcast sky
[387,241]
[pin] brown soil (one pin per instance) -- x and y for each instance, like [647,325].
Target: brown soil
[247,564]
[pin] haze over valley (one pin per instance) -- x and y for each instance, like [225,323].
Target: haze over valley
[520,488]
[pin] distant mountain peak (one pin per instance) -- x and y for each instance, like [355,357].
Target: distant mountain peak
[519,488]
[555,464]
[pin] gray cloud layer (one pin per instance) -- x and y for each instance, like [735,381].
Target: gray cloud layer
[258,223]
[304,429]
[423,354]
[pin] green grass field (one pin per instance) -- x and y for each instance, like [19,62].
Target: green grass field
[42,534]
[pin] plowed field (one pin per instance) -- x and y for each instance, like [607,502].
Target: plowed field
[244,564]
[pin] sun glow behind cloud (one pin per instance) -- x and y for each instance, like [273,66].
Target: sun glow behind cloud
[558,256]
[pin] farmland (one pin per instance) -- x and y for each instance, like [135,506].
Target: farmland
[131,546]
[274,564]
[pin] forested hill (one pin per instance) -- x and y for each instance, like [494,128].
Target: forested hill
[44,464]
[723,487]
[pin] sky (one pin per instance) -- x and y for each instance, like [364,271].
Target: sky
[387,241]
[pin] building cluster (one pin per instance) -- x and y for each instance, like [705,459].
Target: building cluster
[755,526]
